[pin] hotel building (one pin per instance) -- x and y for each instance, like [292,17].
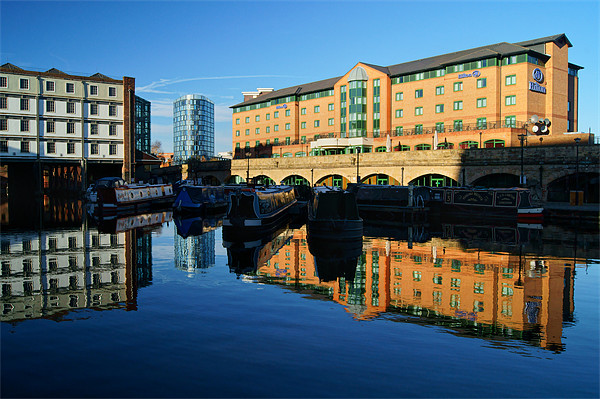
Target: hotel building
[480,97]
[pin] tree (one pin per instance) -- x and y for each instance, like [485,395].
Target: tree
[156,147]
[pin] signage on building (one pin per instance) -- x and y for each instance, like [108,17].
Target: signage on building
[534,86]
[538,75]
[281,106]
[474,74]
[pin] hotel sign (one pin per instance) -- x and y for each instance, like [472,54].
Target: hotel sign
[281,106]
[538,76]
[474,74]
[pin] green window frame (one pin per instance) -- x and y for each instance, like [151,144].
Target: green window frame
[268,142]
[237,133]
[458,105]
[257,118]
[510,80]
[317,109]
[257,130]
[287,126]
[482,102]
[247,144]
[419,93]
[510,121]
[303,139]
[247,132]
[257,143]
[276,114]
[317,123]
[303,125]
[330,122]
[510,100]
[458,86]
[247,120]
[422,147]
[439,108]
[288,141]
[419,129]
[330,107]
[481,123]
[276,128]
[237,121]
[439,127]
[399,131]
[237,145]
[399,113]
[481,83]
[303,111]
[268,117]
[468,144]
[268,129]
[439,90]
[458,125]
[288,112]
[399,96]
[418,111]
[276,141]
[494,143]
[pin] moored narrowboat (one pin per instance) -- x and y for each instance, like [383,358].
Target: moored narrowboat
[333,214]
[205,199]
[114,196]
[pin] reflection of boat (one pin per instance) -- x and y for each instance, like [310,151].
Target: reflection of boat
[335,258]
[403,232]
[196,226]
[205,199]
[257,210]
[112,224]
[333,214]
[486,203]
[115,196]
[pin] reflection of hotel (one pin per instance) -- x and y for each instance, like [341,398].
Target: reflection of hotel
[494,293]
[195,252]
[51,272]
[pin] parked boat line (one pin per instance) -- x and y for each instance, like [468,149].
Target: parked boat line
[205,199]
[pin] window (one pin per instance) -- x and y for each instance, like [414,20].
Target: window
[458,86]
[276,114]
[3,81]
[24,125]
[257,143]
[71,127]
[468,144]
[237,145]
[3,146]
[439,127]
[288,112]
[418,111]
[303,111]
[458,105]
[481,102]
[49,85]
[439,108]
[510,121]
[70,108]
[399,113]
[287,141]
[493,143]
[303,140]
[94,149]
[330,122]
[481,123]
[287,126]
[247,132]
[276,128]
[257,118]
[422,147]
[112,110]
[439,90]
[303,125]
[93,128]
[93,90]
[317,123]
[112,91]
[267,143]
[70,148]
[50,127]
[317,109]
[510,100]
[276,141]
[330,107]
[268,129]
[112,130]
[24,146]
[458,125]
[481,83]
[3,103]
[93,109]
[399,96]
[24,104]
[510,80]
[3,124]
[50,106]
[70,88]
[418,129]
[268,117]
[237,121]
[24,84]
[418,93]
[237,133]
[50,148]
[257,130]
[112,149]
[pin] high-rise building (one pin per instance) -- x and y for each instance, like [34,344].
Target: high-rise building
[193,128]
[142,125]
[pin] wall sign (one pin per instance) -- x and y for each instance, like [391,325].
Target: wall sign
[538,75]
[534,86]
[281,106]
[474,74]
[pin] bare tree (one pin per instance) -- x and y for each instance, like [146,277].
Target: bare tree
[156,147]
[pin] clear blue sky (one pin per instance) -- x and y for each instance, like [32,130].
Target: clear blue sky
[220,49]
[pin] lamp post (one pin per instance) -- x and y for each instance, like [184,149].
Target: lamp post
[522,178]
[248,168]
[577,140]
[312,177]
[357,165]
[480,133]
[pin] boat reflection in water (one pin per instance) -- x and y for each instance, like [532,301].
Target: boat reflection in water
[499,290]
[194,242]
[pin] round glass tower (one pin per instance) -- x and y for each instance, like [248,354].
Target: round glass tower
[193,128]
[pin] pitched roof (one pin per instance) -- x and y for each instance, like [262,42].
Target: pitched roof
[558,39]
[55,71]
[10,67]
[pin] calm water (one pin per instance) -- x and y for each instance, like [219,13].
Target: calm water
[172,310]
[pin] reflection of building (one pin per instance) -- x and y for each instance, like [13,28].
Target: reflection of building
[142,125]
[51,272]
[195,252]
[497,293]
[193,128]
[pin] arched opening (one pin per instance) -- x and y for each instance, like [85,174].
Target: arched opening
[493,143]
[235,179]
[434,180]
[468,144]
[497,180]
[287,155]
[295,180]
[300,154]
[380,179]
[262,179]
[421,147]
[445,146]
[381,149]
[333,181]
[210,181]
[559,190]
[401,147]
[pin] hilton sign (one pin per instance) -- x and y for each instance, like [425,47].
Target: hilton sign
[538,76]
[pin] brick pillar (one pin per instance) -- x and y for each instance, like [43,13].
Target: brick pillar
[128,129]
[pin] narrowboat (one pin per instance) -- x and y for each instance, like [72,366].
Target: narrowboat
[114,196]
[333,214]
[254,210]
[204,199]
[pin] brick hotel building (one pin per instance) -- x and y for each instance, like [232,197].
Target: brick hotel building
[480,97]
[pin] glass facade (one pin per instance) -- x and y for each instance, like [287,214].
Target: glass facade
[193,128]
[142,125]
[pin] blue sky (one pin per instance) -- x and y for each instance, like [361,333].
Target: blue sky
[221,48]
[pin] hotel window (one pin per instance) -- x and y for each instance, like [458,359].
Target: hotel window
[112,91]
[112,110]
[24,125]
[50,148]
[481,83]
[268,117]
[3,146]
[494,143]
[478,288]
[267,143]
[510,121]
[399,113]
[3,103]
[112,149]
[50,106]
[237,133]
[481,64]
[287,126]
[459,68]
[49,85]
[317,123]
[257,118]
[268,129]
[399,131]
[477,306]
[287,141]
[399,96]
[455,301]
[303,111]
[247,144]
[257,130]
[93,109]
[50,127]
[93,128]
[317,109]
[93,90]
[257,143]
[276,141]
[288,112]
[422,147]
[458,86]
[419,93]
[418,111]
[439,90]
[71,127]
[439,108]
[247,132]
[510,80]
[24,84]
[330,122]
[237,145]
[94,149]
[112,130]
[276,114]
[247,120]
[24,146]
[330,107]
[70,108]
[70,88]
[303,125]
[276,128]
[481,102]
[418,129]
[439,127]
[458,125]
[3,81]
[510,100]
[458,105]
[24,104]
[481,123]
[237,121]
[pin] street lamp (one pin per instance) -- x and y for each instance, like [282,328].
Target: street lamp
[248,169]
[357,165]
[480,133]
[577,140]
[522,179]
[312,177]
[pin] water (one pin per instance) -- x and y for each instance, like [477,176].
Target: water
[102,311]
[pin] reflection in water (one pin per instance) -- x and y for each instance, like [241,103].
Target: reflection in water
[194,243]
